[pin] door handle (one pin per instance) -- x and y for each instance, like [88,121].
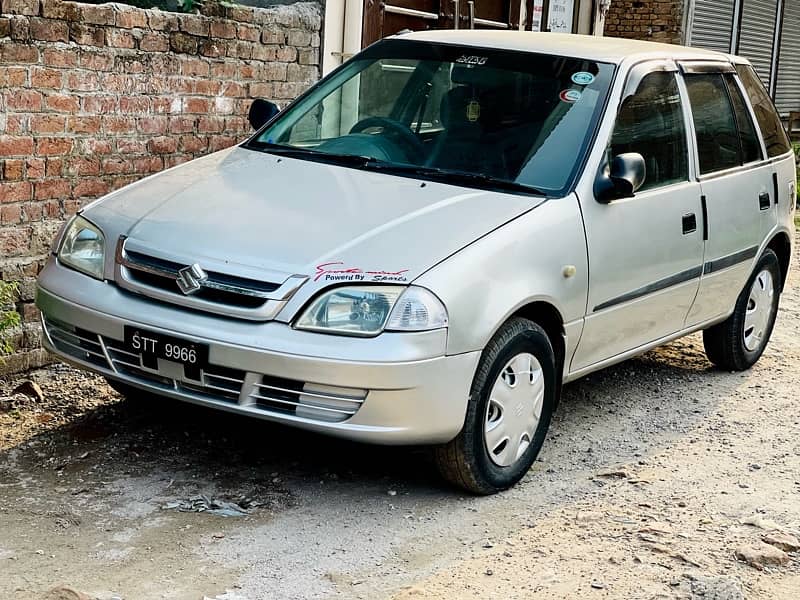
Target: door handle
[764,201]
[689,223]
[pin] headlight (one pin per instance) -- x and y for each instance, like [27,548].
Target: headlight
[83,248]
[368,310]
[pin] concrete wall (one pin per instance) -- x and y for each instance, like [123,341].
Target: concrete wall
[93,97]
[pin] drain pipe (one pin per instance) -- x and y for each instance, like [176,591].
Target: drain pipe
[600,12]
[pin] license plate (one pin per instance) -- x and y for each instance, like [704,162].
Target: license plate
[152,346]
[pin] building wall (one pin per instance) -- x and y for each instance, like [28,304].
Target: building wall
[94,97]
[652,20]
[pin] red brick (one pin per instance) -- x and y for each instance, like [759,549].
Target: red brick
[132,146]
[10,213]
[33,211]
[90,187]
[48,124]
[54,167]
[24,100]
[53,146]
[116,166]
[134,104]
[42,77]
[148,164]
[87,35]
[21,7]
[175,160]
[128,18]
[194,25]
[224,70]
[81,166]
[60,57]
[153,125]
[182,124]
[34,168]
[13,77]
[193,143]
[248,33]
[20,29]
[83,81]
[197,105]
[208,87]
[183,43]
[220,142]
[84,124]
[73,206]
[18,191]
[162,21]
[119,38]
[194,67]
[61,103]
[52,188]
[210,124]
[15,146]
[154,42]
[97,15]
[96,146]
[96,61]
[12,52]
[49,30]
[51,209]
[12,169]
[99,104]
[113,124]
[223,29]
[162,145]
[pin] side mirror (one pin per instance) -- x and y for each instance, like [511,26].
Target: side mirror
[261,111]
[622,179]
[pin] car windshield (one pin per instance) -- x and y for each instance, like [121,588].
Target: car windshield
[471,115]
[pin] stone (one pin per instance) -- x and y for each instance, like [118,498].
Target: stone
[762,555]
[31,389]
[782,541]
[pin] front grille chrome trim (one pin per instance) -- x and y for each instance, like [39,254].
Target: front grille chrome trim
[274,296]
[339,411]
[305,392]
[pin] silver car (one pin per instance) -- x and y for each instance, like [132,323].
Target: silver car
[433,239]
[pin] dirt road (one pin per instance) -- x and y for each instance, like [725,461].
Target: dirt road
[645,489]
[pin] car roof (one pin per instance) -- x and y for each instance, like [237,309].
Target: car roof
[603,49]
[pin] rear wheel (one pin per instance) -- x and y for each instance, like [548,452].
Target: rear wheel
[511,403]
[738,342]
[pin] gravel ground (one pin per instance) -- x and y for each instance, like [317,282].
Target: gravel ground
[657,473]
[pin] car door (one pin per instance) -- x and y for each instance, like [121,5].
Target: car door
[736,185]
[645,252]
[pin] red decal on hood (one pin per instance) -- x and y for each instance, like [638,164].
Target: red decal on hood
[335,271]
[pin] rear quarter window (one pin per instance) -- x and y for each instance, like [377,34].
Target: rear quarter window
[775,138]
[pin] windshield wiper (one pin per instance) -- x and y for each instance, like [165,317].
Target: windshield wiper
[454,177]
[350,160]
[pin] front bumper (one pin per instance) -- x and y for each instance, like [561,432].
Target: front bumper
[397,388]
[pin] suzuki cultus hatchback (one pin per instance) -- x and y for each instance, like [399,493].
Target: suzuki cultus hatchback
[423,247]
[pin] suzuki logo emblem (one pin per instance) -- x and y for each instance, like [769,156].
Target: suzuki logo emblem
[190,279]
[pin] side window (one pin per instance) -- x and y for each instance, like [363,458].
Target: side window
[751,146]
[769,122]
[718,143]
[651,123]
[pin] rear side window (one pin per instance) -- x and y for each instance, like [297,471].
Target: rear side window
[651,123]
[718,143]
[769,122]
[751,146]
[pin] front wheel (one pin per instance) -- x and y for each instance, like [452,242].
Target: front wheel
[511,403]
[738,342]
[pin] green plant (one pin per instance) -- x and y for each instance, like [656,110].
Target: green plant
[190,6]
[9,317]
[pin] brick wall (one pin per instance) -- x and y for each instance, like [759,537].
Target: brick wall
[93,97]
[652,20]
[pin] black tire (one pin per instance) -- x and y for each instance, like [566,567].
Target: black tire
[725,342]
[465,461]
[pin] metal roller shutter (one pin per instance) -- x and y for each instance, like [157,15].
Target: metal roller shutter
[787,92]
[758,35]
[712,24]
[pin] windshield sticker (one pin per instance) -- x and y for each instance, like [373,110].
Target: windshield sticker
[570,96]
[583,78]
[336,271]
[472,60]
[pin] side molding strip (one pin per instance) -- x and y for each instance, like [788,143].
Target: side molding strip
[682,277]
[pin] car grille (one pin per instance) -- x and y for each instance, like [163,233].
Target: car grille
[265,393]
[218,288]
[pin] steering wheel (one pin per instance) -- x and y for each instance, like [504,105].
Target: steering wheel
[402,133]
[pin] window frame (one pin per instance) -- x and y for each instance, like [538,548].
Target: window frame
[753,121]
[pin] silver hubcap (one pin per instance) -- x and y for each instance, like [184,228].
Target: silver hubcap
[514,409]
[759,311]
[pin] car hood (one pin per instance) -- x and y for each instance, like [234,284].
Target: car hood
[254,214]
